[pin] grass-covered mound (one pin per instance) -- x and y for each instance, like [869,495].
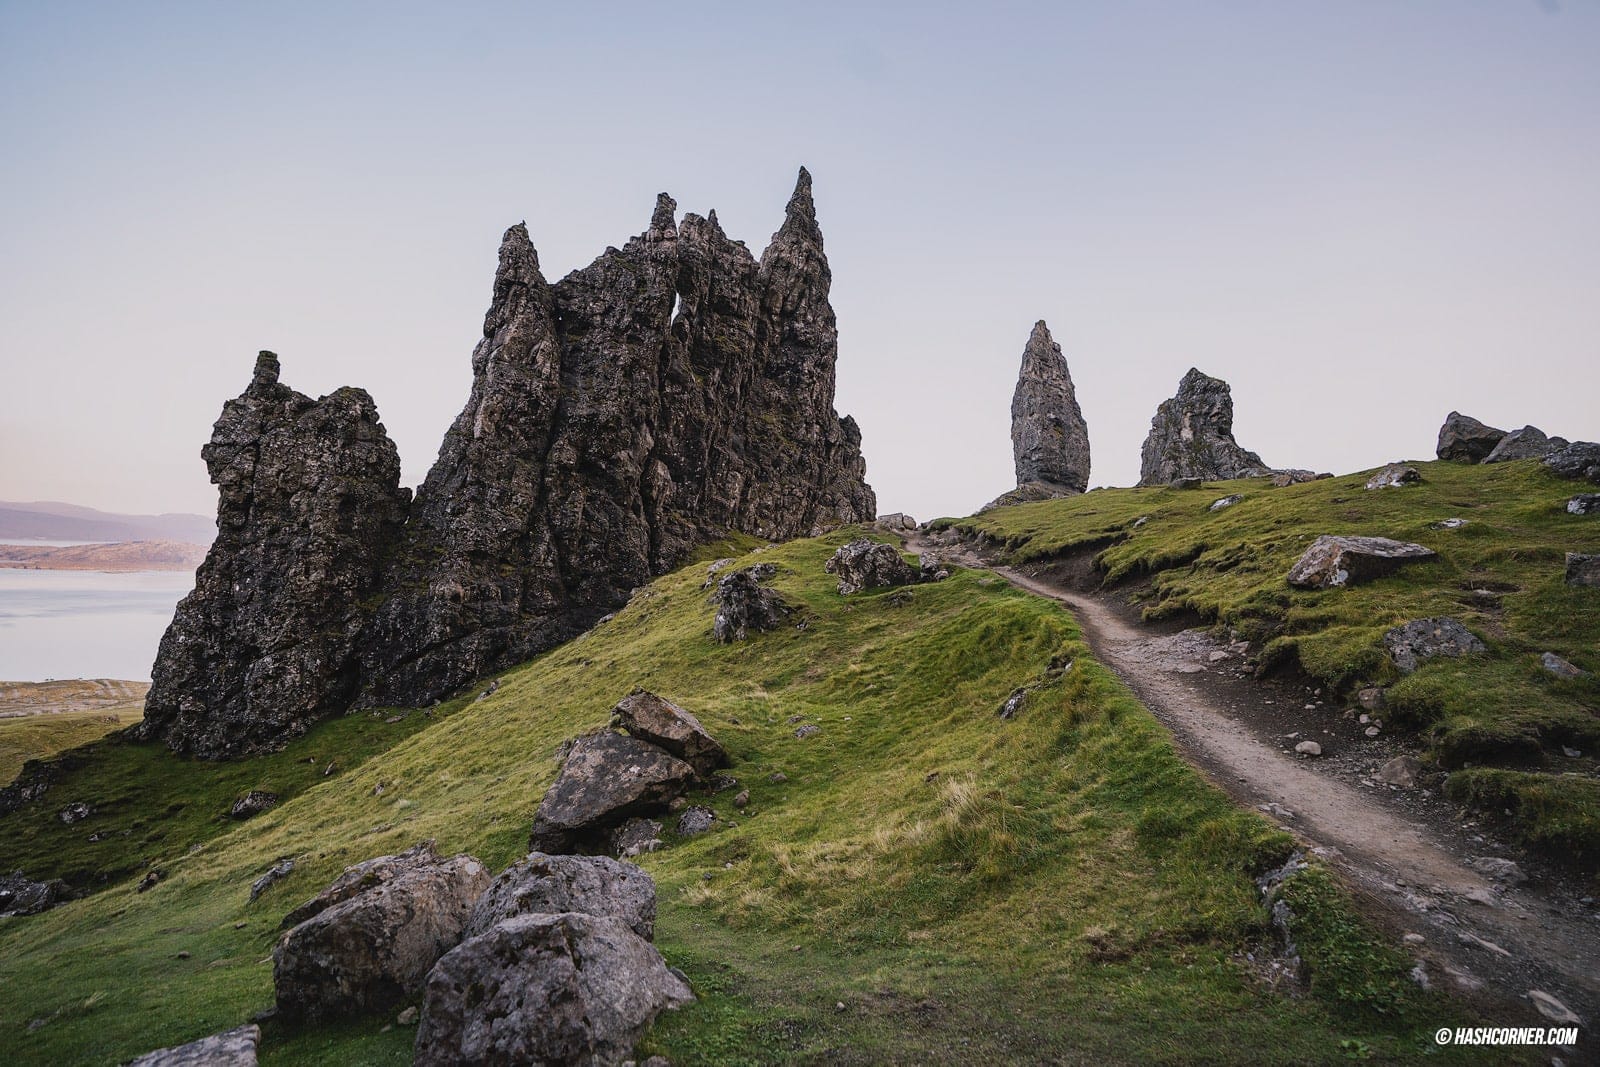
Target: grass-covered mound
[929,883]
[29,737]
[1501,574]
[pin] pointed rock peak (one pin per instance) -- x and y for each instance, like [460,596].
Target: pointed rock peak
[519,260]
[711,217]
[800,217]
[267,370]
[1049,438]
[1040,343]
[663,224]
[1199,379]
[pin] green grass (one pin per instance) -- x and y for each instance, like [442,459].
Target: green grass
[1228,567]
[29,737]
[930,884]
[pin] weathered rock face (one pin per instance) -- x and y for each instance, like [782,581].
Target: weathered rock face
[309,502]
[1049,439]
[605,780]
[1394,476]
[359,878]
[566,988]
[745,606]
[1529,442]
[1414,642]
[671,391]
[1580,459]
[20,895]
[1191,436]
[594,885]
[674,390]
[665,725]
[867,564]
[1334,561]
[1465,439]
[232,1048]
[1583,569]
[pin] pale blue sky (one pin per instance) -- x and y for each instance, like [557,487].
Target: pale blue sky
[1360,214]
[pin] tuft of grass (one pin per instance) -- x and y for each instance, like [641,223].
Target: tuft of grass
[1560,815]
[926,883]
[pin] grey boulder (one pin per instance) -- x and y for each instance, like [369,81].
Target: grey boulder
[1465,439]
[665,725]
[1529,442]
[1583,570]
[375,949]
[594,885]
[1334,561]
[231,1048]
[1412,643]
[1580,459]
[1394,476]
[20,895]
[745,606]
[1584,504]
[368,874]
[867,564]
[252,804]
[548,989]
[605,780]
[1191,436]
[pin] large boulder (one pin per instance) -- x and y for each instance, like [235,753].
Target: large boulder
[1583,569]
[1334,561]
[1049,439]
[867,564]
[231,1048]
[665,725]
[1465,439]
[374,949]
[1191,436]
[21,895]
[606,779]
[368,874]
[1529,442]
[1580,459]
[745,606]
[1420,640]
[594,885]
[548,989]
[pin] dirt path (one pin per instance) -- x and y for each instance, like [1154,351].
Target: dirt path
[1481,937]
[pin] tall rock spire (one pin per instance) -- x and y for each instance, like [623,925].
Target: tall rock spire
[1191,436]
[1049,439]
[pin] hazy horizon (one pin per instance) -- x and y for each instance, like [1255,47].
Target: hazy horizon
[1361,216]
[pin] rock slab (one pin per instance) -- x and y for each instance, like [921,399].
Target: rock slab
[745,606]
[1334,561]
[1415,642]
[1464,439]
[231,1048]
[1529,442]
[605,780]
[594,885]
[1191,436]
[867,564]
[1583,569]
[665,725]
[1049,438]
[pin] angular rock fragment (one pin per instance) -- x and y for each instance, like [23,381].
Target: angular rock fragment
[867,564]
[275,874]
[662,723]
[1465,439]
[567,988]
[1580,459]
[896,522]
[1225,502]
[374,950]
[20,895]
[1415,642]
[1561,668]
[1394,476]
[1401,772]
[231,1048]
[696,819]
[1285,478]
[1584,504]
[1049,439]
[745,606]
[252,804]
[360,877]
[594,885]
[605,780]
[1529,442]
[1191,436]
[635,837]
[1334,561]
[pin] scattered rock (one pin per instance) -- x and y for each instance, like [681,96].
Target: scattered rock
[359,878]
[232,1048]
[1526,443]
[1334,561]
[1447,524]
[1225,502]
[605,779]
[665,725]
[696,819]
[1466,440]
[1553,1009]
[741,799]
[1394,476]
[867,564]
[1185,483]
[777,777]
[553,989]
[277,873]
[374,949]
[151,879]
[1277,811]
[1414,642]
[253,803]
[1285,478]
[20,895]
[932,568]
[1372,731]
[75,812]
[1580,459]
[807,730]
[1584,504]
[744,607]
[1308,748]
[1499,869]
[1371,698]
[1191,436]
[1401,772]
[1049,438]
[408,1017]
[895,522]
[1560,667]
[1014,704]
[1474,941]
[1583,570]
[635,838]
[594,885]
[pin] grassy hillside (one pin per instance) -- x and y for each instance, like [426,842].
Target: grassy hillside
[929,884]
[1500,722]
[29,737]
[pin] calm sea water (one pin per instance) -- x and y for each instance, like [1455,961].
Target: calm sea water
[83,624]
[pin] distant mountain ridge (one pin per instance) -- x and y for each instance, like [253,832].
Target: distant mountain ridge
[55,521]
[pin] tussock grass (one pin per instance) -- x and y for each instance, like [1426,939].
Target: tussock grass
[929,883]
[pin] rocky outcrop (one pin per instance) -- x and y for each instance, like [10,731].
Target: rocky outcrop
[673,391]
[1580,459]
[605,780]
[594,885]
[1583,569]
[309,501]
[1049,439]
[667,726]
[1529,442]
[232,1048]
[1415,642]
[1334,561]
[20,895]
[867,564]
[1191,436]
[745,606]
[374,949]
[565,988]
[368,874]
[1465,439]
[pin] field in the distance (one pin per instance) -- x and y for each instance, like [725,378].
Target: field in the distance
[40,719]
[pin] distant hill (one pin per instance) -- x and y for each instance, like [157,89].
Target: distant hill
[55,521]
[119,556]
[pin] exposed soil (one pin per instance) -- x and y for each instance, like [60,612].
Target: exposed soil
[1407,852]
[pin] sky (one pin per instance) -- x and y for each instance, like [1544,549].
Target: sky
[1361,214]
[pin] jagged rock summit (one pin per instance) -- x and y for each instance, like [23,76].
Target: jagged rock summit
[673,391]
[1049,439]
[1191,436]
